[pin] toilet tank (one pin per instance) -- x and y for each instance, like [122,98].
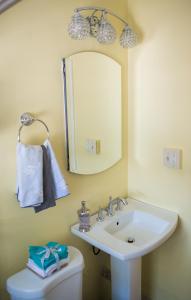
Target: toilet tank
[65,284]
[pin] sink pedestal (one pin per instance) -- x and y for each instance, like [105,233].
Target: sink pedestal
[126,279]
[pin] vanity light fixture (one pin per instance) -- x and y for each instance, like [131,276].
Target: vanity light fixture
[96,25]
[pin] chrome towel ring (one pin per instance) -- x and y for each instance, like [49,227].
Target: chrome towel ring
[28,119]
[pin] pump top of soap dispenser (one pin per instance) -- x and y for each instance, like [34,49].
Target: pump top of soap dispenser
[83,210]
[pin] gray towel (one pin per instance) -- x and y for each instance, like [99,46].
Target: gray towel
[60,186]
[48,184]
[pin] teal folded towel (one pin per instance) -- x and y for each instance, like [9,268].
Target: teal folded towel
[45,256]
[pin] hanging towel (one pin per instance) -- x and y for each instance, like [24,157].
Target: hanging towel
[54,185]
[29,175]
[48,184]
[39,179]
[60,186]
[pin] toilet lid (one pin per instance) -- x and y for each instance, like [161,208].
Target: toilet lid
[26,284]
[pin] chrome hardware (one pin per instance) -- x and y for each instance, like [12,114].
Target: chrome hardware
[84,217]
[118,202]
[110,207]
[121,201]
[97,26]
[100,216]
[26,120]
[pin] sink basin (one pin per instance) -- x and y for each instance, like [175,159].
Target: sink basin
[133,232]
[137,228]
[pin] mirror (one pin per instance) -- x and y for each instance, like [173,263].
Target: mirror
[92,88]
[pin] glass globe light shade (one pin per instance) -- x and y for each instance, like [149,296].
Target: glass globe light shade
[128,38]
[106,33]
[79,28]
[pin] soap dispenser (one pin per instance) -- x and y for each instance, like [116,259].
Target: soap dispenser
[84,217]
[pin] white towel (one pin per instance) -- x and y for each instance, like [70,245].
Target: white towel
[29,175]
[60,186]
[44,273]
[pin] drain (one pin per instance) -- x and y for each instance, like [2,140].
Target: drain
[130,240]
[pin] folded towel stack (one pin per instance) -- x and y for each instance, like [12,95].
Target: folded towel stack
[39,179]
[44,260]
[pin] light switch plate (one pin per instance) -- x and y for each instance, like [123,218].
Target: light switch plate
[172,158]
[92,146]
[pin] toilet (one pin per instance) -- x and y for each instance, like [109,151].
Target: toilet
[65,284]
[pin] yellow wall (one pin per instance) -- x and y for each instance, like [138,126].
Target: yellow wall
[159,80]
[33,40]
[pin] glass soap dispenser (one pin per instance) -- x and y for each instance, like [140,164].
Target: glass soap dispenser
[84,217]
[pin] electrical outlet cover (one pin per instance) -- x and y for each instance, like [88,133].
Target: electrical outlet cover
[172,158]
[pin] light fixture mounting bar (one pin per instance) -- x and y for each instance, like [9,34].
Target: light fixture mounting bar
[101,9]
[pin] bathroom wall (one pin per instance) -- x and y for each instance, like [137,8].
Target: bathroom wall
[159,106]
[33,41]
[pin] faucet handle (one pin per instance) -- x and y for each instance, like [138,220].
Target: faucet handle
[110,207]
[121,201]
[100,216]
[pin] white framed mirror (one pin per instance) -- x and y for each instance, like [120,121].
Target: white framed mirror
[92,99]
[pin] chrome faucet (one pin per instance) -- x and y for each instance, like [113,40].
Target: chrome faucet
[118,202]
[100,216]
[121,201]
[109,209]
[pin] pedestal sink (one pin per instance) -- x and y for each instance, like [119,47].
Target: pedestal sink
[128,235]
